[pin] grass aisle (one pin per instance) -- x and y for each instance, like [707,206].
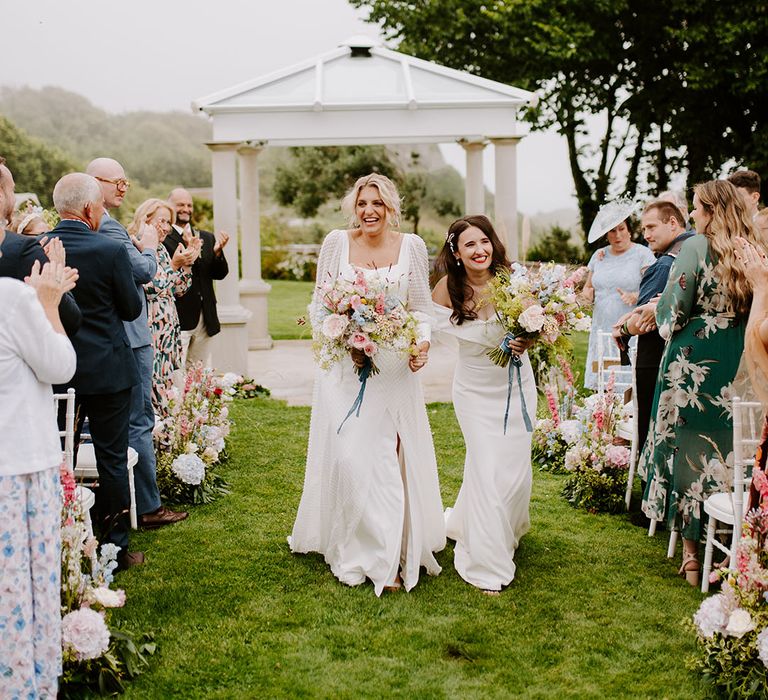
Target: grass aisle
[595,610]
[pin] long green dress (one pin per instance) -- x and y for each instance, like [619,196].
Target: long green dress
[690,436]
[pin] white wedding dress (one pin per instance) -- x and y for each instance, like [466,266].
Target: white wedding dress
[491,511]
[371,501]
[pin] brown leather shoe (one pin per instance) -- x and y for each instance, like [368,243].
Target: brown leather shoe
[162,516]
[129,559]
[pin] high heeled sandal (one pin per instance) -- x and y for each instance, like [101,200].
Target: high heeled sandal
[690,569]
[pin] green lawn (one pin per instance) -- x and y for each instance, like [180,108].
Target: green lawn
[287,302]
[595,610]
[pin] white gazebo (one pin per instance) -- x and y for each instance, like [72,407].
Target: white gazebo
[359,93]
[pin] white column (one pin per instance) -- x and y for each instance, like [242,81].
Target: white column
[474,189]
[230,347]
[253,290]
[505,153]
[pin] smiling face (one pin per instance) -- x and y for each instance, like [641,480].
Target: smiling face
[701,217]
[161,220]
[371,211]
[618,237]
[182,200]
[474,249]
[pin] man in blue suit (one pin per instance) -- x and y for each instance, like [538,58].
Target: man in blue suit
[106,371]
[143,256]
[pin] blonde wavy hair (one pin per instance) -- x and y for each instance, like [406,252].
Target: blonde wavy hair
[387,191]
[146,210]
[729,218]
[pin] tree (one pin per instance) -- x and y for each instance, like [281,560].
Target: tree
[36,167]
[649,70]
[555,245]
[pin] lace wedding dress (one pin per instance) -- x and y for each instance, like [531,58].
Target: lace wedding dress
[371,501]
[491,511]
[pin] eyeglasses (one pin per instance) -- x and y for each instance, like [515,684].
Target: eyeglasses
[120,183]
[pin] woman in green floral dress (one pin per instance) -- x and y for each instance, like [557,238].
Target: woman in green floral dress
[702,313]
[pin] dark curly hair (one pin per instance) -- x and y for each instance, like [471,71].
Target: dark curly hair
[460,292]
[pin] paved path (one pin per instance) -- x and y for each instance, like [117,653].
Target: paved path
[288,371]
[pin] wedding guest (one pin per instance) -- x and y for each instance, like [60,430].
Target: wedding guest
[491,511]
[34,352]
[29,222]
[106,369]
[747,183]
[18,253]
[197,308]
[371,502]
[702,314]
[172,279]
[142,253]
[615,270]
[664,230]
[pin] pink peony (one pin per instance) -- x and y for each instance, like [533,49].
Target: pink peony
[85,633]
[334,326]
[617,455]
[532,319]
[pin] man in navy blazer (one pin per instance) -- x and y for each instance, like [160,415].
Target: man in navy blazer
[18,253]
[143,257]
[106,370]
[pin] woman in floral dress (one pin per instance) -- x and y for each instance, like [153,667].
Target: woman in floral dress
[172,279]
[702,313]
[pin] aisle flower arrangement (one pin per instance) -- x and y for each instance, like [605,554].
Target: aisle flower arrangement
[559,428]
[96,655]
[597,465]
[190,441]
[732,626]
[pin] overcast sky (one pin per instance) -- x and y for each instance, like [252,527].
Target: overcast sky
[162,54]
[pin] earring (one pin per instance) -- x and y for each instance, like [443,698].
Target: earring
[458,262]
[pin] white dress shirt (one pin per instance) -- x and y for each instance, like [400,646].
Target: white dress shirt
[32,357]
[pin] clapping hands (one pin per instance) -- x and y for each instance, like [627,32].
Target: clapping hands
[755,263]
[185,257]
[51,281]
[148,238]
[222,238]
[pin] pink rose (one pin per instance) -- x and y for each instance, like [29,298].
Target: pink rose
[359,340]
[370,348]
[355,302]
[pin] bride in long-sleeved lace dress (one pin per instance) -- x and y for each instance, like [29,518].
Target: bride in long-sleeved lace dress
[371,501]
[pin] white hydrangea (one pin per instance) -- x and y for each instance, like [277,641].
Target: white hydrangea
[712,616]
[189,468]
[762,646]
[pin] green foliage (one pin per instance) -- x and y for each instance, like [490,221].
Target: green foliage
[678,85]
[156,149]
[595,492]
[36,167]
[127,658]
[202,214]
[313,175]
[555,245]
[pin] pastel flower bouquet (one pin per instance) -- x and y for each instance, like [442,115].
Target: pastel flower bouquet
[559,428]
[190,442]
[597,462]
[366,315]
[732,626]
[96,656]
[538,302]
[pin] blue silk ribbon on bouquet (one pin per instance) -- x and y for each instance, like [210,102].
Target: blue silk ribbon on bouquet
[363,373]
[515,363]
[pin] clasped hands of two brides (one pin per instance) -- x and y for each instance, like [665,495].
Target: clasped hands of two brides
[416,360]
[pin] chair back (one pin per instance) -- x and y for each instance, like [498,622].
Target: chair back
[747,424]
[69,425]
[609,362]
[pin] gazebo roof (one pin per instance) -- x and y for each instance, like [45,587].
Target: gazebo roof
[362,92]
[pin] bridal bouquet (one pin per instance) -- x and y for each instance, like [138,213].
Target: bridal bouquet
[538,302]
[362,314]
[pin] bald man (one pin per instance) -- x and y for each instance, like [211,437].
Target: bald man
[197,308]
[143,256]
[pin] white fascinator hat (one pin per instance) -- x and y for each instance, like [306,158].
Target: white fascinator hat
[610,215]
